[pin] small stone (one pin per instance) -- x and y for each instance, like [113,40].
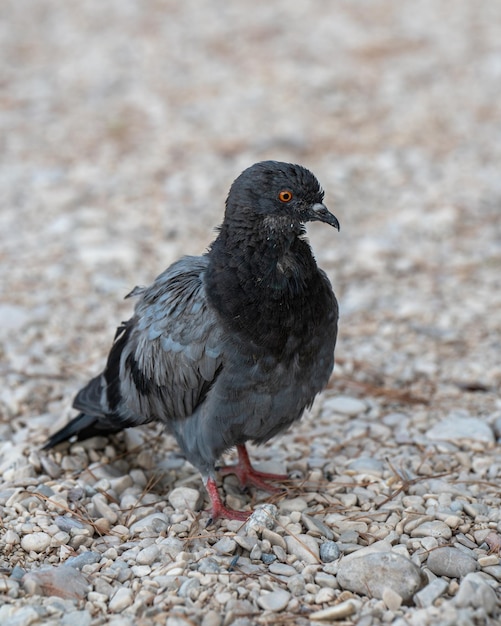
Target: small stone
[188,587]
[345,405]
[121,600]
[103,508]
[121,483]
[183,498]
[67,523]
[148,555]
[374,548]
[222,597]
[17,573]
[429,543]
[325,595]
[266,558]
[317,526]
[36,542]
[282,569]
[11,538]
[155,522]
[245,542]
[208,565]
[494,571]
[226,545]
[367,465]
[275,600]
[263,516]
[475,592]
[453,521]
[9,588]
[140,571]
[293,504]
[326,580]
[274,538]
[336,612]
[296,585]
[466,429]
[392,599]
[304,547]
[102,526]
[76,618]
[212,618]
[427,596]
[86,558]
[329,551]
[23,616]
[434,528]
[486,561]
[103,587]
[464,541]
[371,573]
[280,553]
[61,581]
[450,562]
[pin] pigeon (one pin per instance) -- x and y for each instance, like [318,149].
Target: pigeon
[231,346]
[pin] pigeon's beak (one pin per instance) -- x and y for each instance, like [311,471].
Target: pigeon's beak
[320,213]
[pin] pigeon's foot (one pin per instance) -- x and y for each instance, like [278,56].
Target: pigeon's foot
[218,509]
[247,475]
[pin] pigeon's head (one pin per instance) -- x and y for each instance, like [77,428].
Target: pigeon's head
[281,195]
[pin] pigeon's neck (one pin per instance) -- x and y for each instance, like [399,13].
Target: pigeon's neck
[264,283]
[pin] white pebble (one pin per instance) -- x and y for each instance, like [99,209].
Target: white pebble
[264,516]
[282,569]
[325,595]
[148,555]
[338,611]
[292,504]
[432,591]
[275,600]
[466,429]
[18,616]
[36,542]
[226,545]
[392,599]
[104,509]
[11,537]
[371,574]
[345,405]
[156,522]
[121,600]
[367,465]
[140,571]
[475,592]
[451,562]
[487,561]
[183,498]
[212,618]
[304,547]
[435,528]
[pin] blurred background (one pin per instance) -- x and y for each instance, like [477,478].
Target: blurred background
[123,124]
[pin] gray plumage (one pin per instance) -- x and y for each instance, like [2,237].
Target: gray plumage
[230,346]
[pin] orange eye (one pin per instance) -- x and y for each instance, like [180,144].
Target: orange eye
[285,195]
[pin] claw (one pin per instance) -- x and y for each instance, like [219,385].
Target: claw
[218,509]
[247,475]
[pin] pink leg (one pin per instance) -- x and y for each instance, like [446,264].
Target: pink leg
[247,475]
[218,509]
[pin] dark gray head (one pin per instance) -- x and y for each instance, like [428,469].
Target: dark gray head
[280,193]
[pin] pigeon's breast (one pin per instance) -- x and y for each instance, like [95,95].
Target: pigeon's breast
[261,393]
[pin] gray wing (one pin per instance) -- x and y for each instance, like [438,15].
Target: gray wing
[165,359]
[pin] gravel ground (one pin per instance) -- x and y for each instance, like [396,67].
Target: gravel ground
[123,125]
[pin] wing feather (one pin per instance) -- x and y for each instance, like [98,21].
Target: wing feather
[173,351]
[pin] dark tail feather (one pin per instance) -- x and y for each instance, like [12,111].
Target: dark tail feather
[82,427]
